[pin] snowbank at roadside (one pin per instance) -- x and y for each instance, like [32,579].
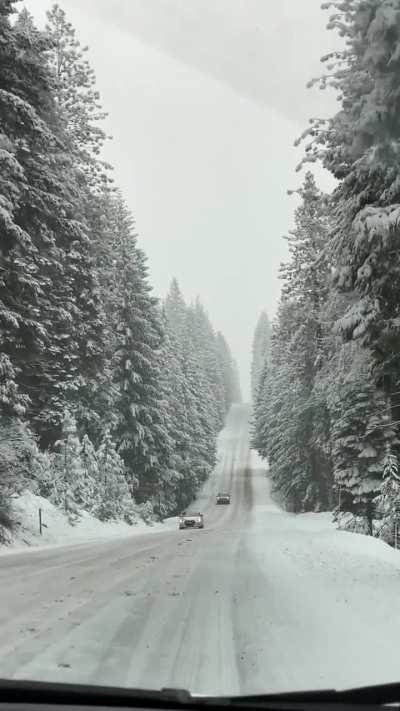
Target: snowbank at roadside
[311,523]
[58,529]
[329,604]
[316,529]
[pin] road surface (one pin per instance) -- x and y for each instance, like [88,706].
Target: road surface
[260,600]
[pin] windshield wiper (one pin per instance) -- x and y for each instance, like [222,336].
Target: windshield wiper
[14,691]
[40,692]
[378,695]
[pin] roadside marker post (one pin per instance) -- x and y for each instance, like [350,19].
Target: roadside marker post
[41,524]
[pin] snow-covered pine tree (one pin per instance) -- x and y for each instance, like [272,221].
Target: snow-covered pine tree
[261,356]
[45,247]
[89,458]
[388,500]
[78,114]
[12,403]
[75,482]
[361,431]
[205,415]
[192,424]
[114,498]
[90,471]
[204,384]
[175,312]
[17,447]
[190,455]
[44,475]
[70,489]
[105,224]
[228,368]
[13,440]
[291,422]
[359,145]
[278,432]
[76,95]
[179,477]
[260,422]
[201,334]
[140,414]
[260,351]
[23,137]
[213,364]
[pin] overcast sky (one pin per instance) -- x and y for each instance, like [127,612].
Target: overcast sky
[205,100]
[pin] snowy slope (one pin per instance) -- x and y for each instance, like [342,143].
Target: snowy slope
[58,529]
[330,607]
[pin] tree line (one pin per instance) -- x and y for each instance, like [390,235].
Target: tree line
[327,395]
[109,399]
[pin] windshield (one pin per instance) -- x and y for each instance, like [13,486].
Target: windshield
[200,343]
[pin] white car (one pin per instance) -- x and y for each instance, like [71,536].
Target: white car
[195,520]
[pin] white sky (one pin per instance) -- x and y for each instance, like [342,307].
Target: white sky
[205,99]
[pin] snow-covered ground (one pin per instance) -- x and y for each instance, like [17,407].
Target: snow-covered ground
[260,600]
[330,612]
[59,530]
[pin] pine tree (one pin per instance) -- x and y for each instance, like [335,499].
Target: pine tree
[71,489]
[175,311]
[187,338]
[203,404]
[72,477]
[90,471]
[202,337]
[261,415]
[46,276]
[78,112]
[12,403]
[188,460]
[388,500]
[89,459]
[173,497]
[229,372]
[361,433]
[44,476]
[76,96]
[359,145]
[84,348]
[194,439]
[140,429]
[260,351]
[17,447]
[115,500]
[291,418]
[23,138]
[105,219]
[279,434]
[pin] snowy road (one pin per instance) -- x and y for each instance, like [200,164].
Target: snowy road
[260,600]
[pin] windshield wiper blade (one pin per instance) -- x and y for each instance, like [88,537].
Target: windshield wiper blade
[15,691]
[379,694]
[22,691]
